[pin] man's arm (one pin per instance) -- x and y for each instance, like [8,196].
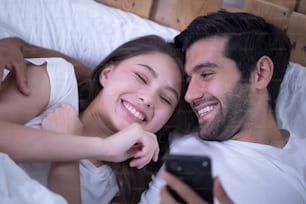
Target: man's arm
[64,179]
[16,65]
[15,46]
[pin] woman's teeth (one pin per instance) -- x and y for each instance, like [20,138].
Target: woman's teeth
[134,112]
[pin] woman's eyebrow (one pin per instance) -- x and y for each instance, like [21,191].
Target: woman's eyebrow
[154,74]
[150,69]
[171,89]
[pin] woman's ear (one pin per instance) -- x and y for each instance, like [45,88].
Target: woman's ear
[104,75]
[263,72]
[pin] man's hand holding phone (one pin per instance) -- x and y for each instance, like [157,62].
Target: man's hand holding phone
[181,192]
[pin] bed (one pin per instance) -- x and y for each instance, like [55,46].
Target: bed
[88,30]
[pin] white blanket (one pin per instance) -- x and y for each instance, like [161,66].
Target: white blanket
[17,187]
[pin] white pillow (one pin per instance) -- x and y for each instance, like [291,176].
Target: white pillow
[290,104]
[83,29]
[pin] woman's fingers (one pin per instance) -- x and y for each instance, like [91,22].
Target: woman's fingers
[135,143]
[145,152]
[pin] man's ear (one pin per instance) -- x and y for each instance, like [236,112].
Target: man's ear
[104,75]
[263,72]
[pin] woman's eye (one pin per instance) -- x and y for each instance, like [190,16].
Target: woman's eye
[165,100]
[141,78]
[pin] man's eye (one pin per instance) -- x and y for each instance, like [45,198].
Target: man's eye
[141,78]
[205,75]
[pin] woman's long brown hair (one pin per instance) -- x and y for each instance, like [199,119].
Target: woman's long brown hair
[131,181]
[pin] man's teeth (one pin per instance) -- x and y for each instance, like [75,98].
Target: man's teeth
[132,110]
[206,110]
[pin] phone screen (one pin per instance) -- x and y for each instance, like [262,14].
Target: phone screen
[193,170]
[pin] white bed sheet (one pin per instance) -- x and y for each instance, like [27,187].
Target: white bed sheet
[83,29]
[16,187]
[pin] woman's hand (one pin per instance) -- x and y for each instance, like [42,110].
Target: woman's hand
[132,142]
[64,119]
[11,58]
[187,193]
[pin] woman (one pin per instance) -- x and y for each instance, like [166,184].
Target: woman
[130,95]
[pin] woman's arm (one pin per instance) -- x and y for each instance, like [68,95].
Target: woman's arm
[15,46]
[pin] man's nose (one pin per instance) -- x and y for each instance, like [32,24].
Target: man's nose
[194,91]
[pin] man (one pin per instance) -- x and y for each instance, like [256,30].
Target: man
[235,63]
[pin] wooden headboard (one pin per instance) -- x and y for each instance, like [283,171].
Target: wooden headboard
[176,14]
[289,15]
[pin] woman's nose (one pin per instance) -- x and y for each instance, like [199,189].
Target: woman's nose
[147,98]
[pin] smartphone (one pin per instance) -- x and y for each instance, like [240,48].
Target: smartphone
[193,170]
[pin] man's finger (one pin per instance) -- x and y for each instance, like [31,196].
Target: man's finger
[165,197]
[21,78]
[183,190]
[220,193]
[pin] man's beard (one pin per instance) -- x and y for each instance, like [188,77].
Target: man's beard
[231,117]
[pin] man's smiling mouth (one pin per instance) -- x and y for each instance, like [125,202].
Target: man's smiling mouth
[206,110]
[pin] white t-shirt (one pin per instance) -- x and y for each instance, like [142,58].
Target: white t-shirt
[98,184]
[249,172]
[63,89]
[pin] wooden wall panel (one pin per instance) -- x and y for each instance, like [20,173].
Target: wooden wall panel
[291,4]
[231,8]
[275,14]
[297,34]
[179,13]
[301,7]
[138,7]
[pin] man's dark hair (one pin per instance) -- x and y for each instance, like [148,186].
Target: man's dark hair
[249,38]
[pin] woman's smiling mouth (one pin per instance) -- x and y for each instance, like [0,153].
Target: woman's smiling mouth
[133,111]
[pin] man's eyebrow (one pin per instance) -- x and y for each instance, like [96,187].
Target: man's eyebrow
[204,65]
[152,71]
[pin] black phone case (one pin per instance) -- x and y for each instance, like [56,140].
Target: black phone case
[193,170]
